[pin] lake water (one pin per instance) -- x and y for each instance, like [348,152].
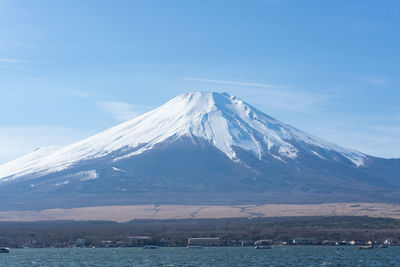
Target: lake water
[219,256]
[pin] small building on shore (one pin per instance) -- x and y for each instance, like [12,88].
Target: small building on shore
[80,242]
[139,241]
[303,241]
[204,241]
[263,242]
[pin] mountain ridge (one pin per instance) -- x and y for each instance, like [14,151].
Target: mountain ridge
[199,147]
[244,127]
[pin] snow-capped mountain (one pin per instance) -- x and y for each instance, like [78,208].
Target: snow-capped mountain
[223,120]
[223,133]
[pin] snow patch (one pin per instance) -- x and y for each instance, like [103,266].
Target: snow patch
[117,169]
[318,155]
[63,183]
[88,175]
[288,151]
[278,158]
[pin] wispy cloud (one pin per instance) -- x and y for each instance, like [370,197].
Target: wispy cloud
[9,60]
[236,83]
[374,80]
[13,60]
[275,1]
[271,95]
[365,135]
[293,100]
[19,140]
[366,26]
[93,95]
[81,93]
[119,110]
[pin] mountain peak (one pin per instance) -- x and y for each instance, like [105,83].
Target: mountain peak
[201,101]
[222,120]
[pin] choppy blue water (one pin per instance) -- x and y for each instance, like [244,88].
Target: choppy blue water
[220,256]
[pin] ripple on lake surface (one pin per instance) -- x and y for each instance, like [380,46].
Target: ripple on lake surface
[221,256]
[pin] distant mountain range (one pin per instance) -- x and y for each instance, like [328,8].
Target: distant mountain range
[198,148]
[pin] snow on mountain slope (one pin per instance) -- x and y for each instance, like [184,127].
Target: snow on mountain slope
[223,120]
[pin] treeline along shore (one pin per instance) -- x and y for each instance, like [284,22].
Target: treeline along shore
[231,232]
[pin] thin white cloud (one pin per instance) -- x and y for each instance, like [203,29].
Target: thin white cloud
[271,95]
[9,60]
[374,80]
[13,60]
[92,95]
[366,26]
[236,83]
[20,140]
[292,100]
[119,110]
[81,93]
[36,79]
[369,138]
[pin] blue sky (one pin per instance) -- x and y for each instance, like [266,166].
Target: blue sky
[69,69]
